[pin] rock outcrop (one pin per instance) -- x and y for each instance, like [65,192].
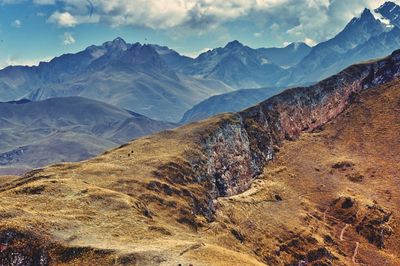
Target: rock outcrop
[239,149]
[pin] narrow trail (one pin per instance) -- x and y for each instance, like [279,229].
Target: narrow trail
[343,231]
[355,253]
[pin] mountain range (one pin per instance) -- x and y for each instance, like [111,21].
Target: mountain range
[159,84]
[307,177]
[374,34]
[240,66]
[34,134]
[162,84]
[130,76]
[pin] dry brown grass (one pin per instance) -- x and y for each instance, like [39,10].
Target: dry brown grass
[286,216]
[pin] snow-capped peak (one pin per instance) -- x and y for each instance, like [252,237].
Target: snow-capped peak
[383,20]
[391,12]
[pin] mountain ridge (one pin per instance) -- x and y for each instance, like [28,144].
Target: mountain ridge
[35,134]
[131,76]
[186,195]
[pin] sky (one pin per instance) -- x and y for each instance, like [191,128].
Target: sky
[38,30]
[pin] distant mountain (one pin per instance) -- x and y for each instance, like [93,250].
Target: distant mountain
[173,59]
[374,34]
[131,76]
[33,134]
[376,47]
[287,56]
[228,102]
[390,11]
[162,84]
[237,65]
[322,61]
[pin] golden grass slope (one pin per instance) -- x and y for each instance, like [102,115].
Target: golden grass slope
[331,197]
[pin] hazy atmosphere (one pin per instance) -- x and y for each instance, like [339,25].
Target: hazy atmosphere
[37,30]
[199,132]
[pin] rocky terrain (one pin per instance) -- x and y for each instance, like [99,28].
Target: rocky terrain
[307,177]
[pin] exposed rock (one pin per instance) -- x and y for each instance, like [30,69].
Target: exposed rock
[345,209]
[243,145]
[375,226]
[230,159]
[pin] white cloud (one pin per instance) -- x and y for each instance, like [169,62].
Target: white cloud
[315,19]
[164,14]
[309,42]
[68,39]
[17,23]
[63,19]
[257,34]
[195,54]
[15,60]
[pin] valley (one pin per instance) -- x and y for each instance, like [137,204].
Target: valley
[313,189]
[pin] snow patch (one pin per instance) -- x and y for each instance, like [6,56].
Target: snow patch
[383,20]
[98,53]
[264,61]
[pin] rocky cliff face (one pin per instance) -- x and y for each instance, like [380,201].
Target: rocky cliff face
[240,148]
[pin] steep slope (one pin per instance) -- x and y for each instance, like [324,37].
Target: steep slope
[330,197]
[189,196]
[287,56]
[377,46]
[34,134]
[172,58]
[236,65]
[323,59]
[130,76]
[228,102]
[390,11]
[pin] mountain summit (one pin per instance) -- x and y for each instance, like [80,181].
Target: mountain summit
[132,76]
[234,45]
[390,11]
[329,57]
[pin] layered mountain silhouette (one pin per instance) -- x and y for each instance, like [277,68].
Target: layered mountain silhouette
[369,36]
[228,102]
[160,83]
[243,67]
[307,177]
[34,134]
[131,76]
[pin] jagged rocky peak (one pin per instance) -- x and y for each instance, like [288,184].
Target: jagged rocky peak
[359,30]
[142,53]
[390,12]
[297,45]
[366,16]
[234,44]
[388,6]
[116,44]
